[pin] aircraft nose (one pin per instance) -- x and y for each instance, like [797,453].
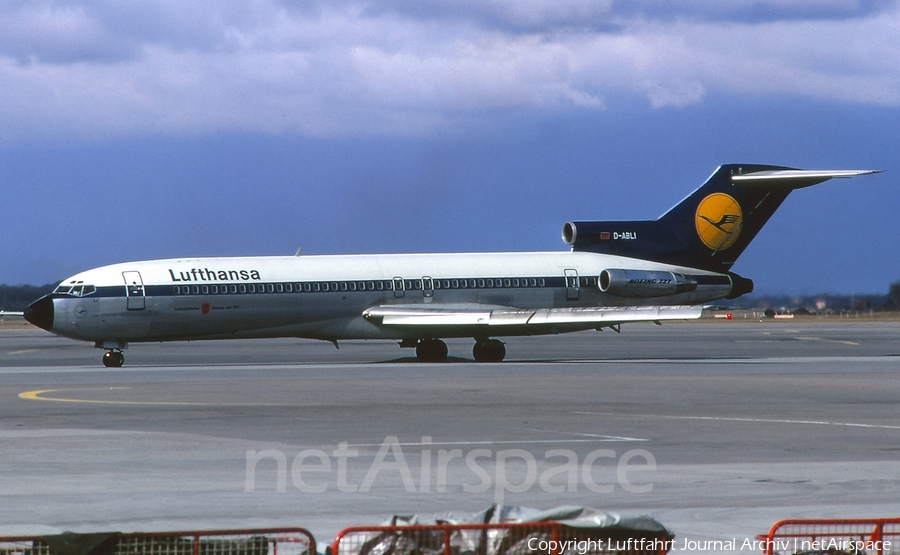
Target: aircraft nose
[40,313]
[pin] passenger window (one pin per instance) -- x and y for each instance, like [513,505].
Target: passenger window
[417,284]
[195,290]
[270,288]
[541,282]
[353,286]
[454,283]
[481,284]
[379,285]
[316,287]
[251,288]
[446,283]
[279,288]
[205,289]
[176,290]
[334,286]
[242,288]
[343,286]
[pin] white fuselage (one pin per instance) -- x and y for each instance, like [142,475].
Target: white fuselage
[324,297]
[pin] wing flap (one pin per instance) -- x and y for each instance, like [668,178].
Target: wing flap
[476,316]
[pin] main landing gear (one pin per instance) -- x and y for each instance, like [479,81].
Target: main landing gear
[489,350]
[435,350]
[113,359]
[431,350]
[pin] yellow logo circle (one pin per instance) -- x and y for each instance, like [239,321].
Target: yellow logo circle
[718,221]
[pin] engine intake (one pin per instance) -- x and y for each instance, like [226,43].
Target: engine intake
[569,233]
[642,284]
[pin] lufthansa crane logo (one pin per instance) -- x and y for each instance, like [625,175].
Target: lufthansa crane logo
[719,219]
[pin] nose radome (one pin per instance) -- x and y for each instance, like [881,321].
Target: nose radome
[40,313]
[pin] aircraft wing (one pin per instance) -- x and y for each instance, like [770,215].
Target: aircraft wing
[479,315]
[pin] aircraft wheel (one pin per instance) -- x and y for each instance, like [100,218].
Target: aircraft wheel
[431,350]
[491,350]
[113,359]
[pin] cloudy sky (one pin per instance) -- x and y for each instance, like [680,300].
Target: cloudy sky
[136,130]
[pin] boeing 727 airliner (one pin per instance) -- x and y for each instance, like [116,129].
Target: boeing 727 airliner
[616,272]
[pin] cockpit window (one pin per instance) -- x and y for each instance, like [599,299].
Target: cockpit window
[78,290]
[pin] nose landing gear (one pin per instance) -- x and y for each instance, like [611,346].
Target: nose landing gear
[113,359]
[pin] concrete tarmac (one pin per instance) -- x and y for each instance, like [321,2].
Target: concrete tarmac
[718,429]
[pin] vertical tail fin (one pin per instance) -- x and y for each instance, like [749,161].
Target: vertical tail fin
[712,226]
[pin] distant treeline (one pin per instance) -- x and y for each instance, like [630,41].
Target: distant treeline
[14,298]
[825,302]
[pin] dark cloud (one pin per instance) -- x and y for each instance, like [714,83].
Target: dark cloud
[106,31]
[752,11]
[405,67]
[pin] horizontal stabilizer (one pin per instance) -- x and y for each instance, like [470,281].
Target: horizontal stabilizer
[479,316]
[795,179]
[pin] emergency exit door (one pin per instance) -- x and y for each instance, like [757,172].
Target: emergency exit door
[573,287]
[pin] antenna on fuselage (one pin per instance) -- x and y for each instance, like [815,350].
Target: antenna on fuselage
[299,251]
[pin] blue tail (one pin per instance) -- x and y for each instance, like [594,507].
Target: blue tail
[711,227]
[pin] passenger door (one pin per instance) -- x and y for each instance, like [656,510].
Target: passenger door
[134,290]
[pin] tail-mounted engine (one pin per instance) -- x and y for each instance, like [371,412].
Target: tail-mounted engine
[642,284]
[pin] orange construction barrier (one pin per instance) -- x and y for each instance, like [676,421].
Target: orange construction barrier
[266,541]
[527,538]
[878,536]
